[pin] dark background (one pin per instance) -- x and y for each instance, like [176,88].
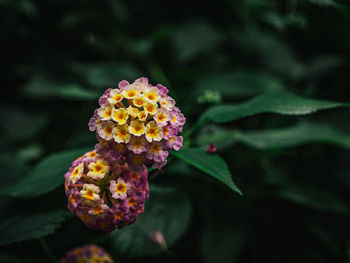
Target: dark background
[57,58]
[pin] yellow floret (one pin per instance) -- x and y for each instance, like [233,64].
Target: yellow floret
[121,188]
[121,134]
[133,111]
[98,170]
[137,128]
[153,132]
[105,112]
[142,115]
[161,117]
[107,130]
[151,95]
[120,115]
[77,173]
[90,192]
[130,92]
[115,96]
[139,101]
[150,108]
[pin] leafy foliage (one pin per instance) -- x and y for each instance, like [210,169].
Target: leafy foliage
[291,136]
[276,62]
[25,226]
[211,164]
[280,103]
[46,176]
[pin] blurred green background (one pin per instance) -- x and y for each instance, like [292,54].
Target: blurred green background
[58,57]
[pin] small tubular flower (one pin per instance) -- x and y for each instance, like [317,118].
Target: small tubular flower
[120,115]
[101,191]
[105,112]
[133,110]
[87,254]
[138,145]
[121,134]
[153,132]
[137,128]
[106,130]
[115,96]
[98,170]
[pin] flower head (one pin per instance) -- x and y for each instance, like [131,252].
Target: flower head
[137,110]
[95,186]
[87,253]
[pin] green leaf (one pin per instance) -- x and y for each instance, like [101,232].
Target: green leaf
[273,52]
[272,102]
[211,164]
[44,88]
[292,136]
[13,119]
[295,135]
[26,226]
[167,211]
[46,176]
[313,197]
[195,39]
[106,75]
[240,83]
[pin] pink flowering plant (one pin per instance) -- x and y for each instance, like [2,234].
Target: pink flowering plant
[138,123]
[195,131]
[103,193]
[87,254]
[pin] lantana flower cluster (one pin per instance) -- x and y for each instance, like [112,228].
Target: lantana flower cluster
[105,194]
[138,124]
[87,254]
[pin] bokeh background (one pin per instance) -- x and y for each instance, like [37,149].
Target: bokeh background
[57,58]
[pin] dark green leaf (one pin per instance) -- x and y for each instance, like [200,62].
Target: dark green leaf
[167,211]
[25,226]
[240,83]
[314,197]
[195,39]
[299,134]
[274,53]
[107,75]
[45,88]
[293,136]
[12,121]
[274,102]
[211,164]
[46,176]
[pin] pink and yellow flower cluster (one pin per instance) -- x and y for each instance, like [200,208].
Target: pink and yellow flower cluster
[105,194]
[137,126]
[138,123]
[87,254]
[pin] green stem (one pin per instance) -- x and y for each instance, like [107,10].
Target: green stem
[47,250]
